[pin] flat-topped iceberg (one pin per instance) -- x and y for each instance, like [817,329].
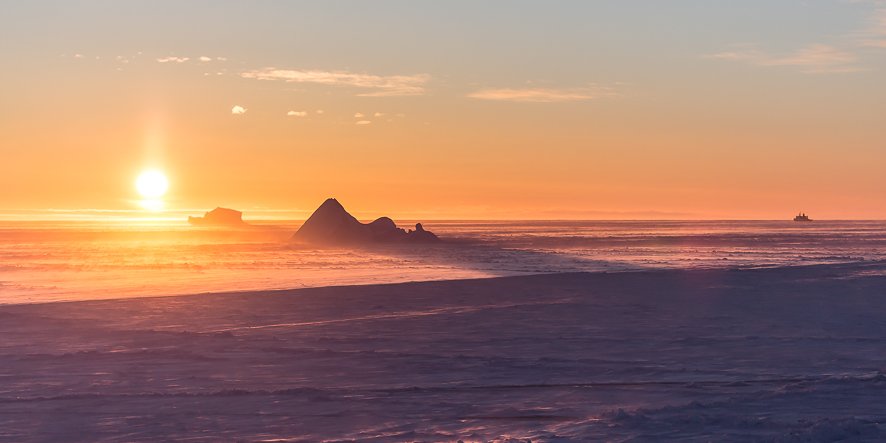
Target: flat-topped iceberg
[219,217]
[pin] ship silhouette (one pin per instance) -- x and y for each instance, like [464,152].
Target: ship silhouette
[802,217]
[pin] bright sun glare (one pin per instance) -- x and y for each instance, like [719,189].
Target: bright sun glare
[152,184]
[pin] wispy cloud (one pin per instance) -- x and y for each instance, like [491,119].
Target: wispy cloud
[874,35]
[238,110]
[379,86]
[359,115]
[363,122]
[846,56]
[204,58]
[297,113]
[543,95]
[172,59]
[817,58]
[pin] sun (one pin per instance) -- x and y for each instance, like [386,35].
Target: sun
[152,184]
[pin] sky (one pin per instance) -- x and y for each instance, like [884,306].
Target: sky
[617,109]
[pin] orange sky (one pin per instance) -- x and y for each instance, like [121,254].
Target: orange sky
[530,111]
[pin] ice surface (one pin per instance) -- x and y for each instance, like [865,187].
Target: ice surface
[79,260]
[780,354]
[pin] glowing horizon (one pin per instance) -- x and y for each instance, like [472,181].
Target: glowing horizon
[500,110]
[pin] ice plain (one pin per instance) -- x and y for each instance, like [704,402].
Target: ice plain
[775,354]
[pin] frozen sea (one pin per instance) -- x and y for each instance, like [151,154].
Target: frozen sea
[509,332]
[775,354]
[76,260]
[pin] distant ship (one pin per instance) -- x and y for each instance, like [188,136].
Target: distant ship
[801,217]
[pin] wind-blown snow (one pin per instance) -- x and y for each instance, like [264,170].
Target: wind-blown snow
[781,354]
[62,261]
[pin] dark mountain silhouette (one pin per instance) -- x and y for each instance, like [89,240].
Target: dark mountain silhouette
[332,224]
[219,217]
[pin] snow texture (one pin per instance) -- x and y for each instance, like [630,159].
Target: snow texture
[790,354]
